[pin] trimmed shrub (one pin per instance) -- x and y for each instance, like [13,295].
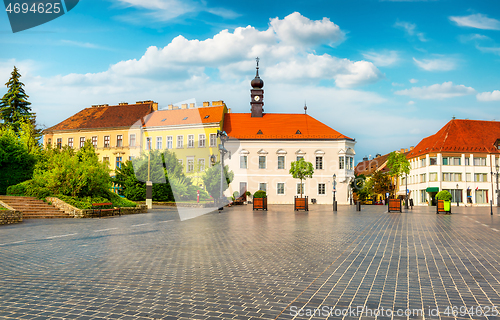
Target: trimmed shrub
[444,195]
[259,194]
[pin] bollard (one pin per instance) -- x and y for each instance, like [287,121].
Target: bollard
[334,206]
[358,206]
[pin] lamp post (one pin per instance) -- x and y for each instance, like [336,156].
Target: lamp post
[223,138]
[498,193]
[406,191]
[456,194]
[350,191]
[334,191]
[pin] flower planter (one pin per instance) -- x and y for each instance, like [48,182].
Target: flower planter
[394,205]
[301,204]
[443,206]
[260,203]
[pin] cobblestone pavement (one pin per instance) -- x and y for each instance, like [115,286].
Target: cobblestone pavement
[241,264]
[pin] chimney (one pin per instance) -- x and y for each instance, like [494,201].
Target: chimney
[364,159]
[406,150]
[105,105]
[402,150]
[217,103]
[95,106]
[206,104]
[170,107]
[377,155]
[123,103]
[229,110]
[184,106]
[192,106]
[138,102]
[154,106]
[411,148]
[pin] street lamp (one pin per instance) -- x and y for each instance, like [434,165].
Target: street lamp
[334,191]
[498,193]
[350,191]
[456,194]
[223,138]
[406,191]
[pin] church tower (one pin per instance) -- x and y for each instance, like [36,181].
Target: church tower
[257,94]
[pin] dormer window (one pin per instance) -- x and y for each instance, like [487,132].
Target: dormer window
[298,132]
[259,132]
[497,144]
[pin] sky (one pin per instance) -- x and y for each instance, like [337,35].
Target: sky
[386,73]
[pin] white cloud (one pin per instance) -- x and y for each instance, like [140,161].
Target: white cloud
[164,10]
[382,59]
[437,91]
[298,30]
[440,64]
[410,103]
[413,80]
[395,84]
[478,21]
[411,30]
[488,96]
[495,50]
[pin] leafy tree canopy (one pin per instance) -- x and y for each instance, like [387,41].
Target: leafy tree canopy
[302,170]
[212,179]
[398,164]
[379,183]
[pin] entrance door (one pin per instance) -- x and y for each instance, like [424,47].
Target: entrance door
[243,190]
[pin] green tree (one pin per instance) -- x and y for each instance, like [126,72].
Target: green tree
[302,170]
[444,195]
[359,187]
[379,183]
[14,106]
[16,161]
[398,164]
[211,180]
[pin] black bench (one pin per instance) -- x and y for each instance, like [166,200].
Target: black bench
[99,208]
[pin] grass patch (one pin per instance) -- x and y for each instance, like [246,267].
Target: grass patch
[86,203]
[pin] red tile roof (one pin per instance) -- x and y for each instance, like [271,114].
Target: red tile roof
[368,167]
[104,117]
[460,136]
[185,116]
[280,126]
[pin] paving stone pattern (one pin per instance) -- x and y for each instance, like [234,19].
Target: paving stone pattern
[240,264]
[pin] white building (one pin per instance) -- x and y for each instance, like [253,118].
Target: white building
[263,145]
[460,158]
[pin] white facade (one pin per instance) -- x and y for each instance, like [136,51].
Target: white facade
[467,177]
[259,164]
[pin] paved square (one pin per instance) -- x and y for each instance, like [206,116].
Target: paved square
[241,264]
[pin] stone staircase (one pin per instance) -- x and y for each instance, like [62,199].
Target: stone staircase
[33,208]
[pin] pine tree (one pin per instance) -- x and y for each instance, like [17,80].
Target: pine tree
[14,106]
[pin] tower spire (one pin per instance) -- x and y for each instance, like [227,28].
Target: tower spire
[257,93]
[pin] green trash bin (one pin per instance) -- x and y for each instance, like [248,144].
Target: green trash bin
[447,206]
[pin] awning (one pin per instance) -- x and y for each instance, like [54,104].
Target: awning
[432,189]
[400,193]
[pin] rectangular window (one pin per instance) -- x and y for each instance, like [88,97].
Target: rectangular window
[181,163]
[281,162]
[481,196]
[351,163]
[422,162]
[300,157]
[82,142]
[280,188]
[446,177]
[130,158]
[433,176]
[468,177]
[180,142]
[423,196]
[119,140]
[190,165]
[446,161]
[300,188]
[321,188]
[49,141]
[480,177]
[263,187]
[106,141]
[479,161]
[59,143]
[148,143]
[105,159]
[213,140]
[190,140]
[201,165]
[118,162]
[170,140]
[457,161]
[456,194]
[467,161]
[159,143]
[422,177]
[319,163]
[70,142]
[433,161]
[132,140]
[341,163]
[94,141]
[201,141]
[243,162]
[262,162]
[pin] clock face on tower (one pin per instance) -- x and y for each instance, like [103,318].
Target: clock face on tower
[256,98]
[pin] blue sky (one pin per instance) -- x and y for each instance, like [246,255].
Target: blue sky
[387,73]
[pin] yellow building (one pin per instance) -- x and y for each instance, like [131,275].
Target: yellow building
[189,131]
[114,131]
